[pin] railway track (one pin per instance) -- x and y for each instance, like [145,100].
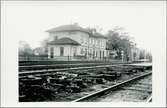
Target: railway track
[30,66]
[136,89]
[76,79]
[58,66]
[53,71]
[44,71]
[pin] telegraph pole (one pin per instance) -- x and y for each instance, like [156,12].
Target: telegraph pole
[122,54]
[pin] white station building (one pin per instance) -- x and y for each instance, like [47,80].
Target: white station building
[73,42]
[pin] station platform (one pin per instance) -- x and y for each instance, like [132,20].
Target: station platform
[140,64]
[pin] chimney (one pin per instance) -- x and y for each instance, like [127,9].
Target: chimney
[93,31]
[76,24]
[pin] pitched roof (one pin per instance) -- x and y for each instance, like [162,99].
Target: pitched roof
[64,41]
[75,27]
[70,27]
[98,35]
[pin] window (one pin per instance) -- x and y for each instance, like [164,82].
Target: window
[98,42]
[101,43]
[100,54]
[86,41]
[46,50]
[85,51]
[96,53]
[103,54]
[93,53]
[90,52]
[75,51]
[61,51]
[82,51]
[89,40]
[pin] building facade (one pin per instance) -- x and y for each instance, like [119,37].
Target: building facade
[75,42]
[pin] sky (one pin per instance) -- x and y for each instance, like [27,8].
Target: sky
[28,21]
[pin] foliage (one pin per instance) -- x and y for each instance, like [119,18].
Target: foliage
[25,49]
[118,41]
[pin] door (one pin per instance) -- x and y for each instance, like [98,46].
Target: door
[100,54]
[74,51]
[61,51]
[51,52]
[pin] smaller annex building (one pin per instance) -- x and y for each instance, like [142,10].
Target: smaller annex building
[63,48]
[72,42]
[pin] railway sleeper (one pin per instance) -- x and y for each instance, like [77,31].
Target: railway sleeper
[80,83]
[69,82]
[142,86]
[60,81]
[36,92]
[137,89]
[73,89]
[105,76]
[32,81]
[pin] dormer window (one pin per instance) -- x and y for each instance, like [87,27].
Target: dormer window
[56,37]
[82,40]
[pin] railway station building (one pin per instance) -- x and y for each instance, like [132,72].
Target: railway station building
[73,42]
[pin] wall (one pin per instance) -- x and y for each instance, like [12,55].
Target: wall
[68,50]
[87,43]
[75,35]
[135,54]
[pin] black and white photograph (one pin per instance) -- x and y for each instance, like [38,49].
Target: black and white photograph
[90,53]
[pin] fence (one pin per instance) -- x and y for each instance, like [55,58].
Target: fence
[63,58]
[33,58]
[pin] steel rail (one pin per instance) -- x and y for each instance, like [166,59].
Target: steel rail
[51,71]
[110,88]
[65,69]
[29,66]
[149,99]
